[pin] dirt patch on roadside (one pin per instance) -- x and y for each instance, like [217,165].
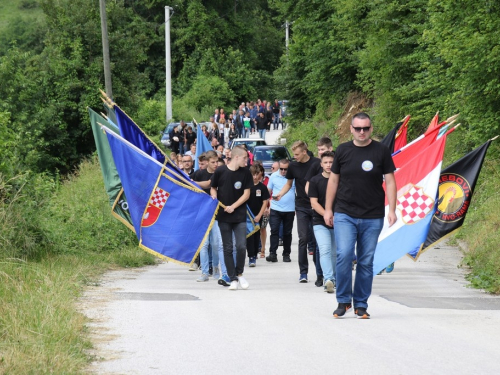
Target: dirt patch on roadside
[355,102]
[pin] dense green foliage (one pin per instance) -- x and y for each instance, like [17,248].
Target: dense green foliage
[410,57]
[51,66]
[405,57]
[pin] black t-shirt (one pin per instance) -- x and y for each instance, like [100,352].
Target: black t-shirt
[202,175]
[230,187]
[258,194]
[190,138]
[298,171]
[361,169]
[314,171]
[317,189]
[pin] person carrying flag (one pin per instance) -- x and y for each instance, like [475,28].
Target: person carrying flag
[355,184]
[231,185]
[203,177]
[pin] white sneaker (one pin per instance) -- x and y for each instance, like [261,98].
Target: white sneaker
[234,285]
[243,283]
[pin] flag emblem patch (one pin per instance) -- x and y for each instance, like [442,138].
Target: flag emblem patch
[414,205]
[156,203]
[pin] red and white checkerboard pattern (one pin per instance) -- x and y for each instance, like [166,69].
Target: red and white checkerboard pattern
[159,198]
[414,205]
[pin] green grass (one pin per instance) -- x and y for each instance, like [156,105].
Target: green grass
[66,238]
[481,230]
[10,9]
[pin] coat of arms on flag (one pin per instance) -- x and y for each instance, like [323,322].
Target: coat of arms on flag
[156,203]
[414,205]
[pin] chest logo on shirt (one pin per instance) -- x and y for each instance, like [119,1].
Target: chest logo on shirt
[367,165]
[258,193]
[237,185]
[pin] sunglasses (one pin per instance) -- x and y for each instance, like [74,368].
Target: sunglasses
[364,128]
[283,169]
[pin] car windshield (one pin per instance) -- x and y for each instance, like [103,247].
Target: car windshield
[250,144]
[270,154]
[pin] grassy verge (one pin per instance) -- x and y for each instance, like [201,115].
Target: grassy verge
[70,239]
[27,9]
[481,230]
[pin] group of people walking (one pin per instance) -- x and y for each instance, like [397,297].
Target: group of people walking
[337,198]
[249,118]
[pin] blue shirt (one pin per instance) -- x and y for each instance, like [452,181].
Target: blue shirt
[287,202]
[253,113]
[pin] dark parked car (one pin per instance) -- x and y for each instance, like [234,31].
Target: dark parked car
[165,137]
[269,154]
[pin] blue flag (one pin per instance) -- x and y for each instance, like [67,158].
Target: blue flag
[252,226]
[132,133]
[202,145]
[171,219]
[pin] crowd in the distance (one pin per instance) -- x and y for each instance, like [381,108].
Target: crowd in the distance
[222,129]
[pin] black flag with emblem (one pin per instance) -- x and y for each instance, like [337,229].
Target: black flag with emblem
[456,186]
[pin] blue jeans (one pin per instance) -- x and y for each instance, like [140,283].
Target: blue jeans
[325,237]
[182,148]
[215,241]
[246,133]
[262,133]
[276,120]
[362,233]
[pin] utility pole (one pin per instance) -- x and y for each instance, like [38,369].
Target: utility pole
[287,34]
[105,49]
[168,78]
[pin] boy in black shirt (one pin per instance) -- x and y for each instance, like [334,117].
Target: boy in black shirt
[259,196]
[297,171]
[324,234]
[203,177]
[231,185]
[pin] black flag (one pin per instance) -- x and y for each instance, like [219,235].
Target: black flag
[456,186]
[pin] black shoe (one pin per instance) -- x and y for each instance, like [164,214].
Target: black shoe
[272,258]
[223,282]
[319,281]
[361,313]
[341,310]
[286,258]
[210,271]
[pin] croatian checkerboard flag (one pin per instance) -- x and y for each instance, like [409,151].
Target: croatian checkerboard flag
[417,187]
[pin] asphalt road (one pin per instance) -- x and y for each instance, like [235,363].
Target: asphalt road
[159,320]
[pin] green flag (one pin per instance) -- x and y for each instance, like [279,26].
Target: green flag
[112,183]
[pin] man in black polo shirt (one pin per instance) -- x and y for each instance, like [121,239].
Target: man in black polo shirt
[297,171]
[358,173]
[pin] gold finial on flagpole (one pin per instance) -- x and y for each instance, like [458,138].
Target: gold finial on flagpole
[452,118]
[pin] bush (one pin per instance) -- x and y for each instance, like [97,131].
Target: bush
[78,218]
